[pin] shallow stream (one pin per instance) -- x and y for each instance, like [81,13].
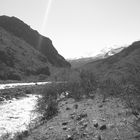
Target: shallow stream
[16,114]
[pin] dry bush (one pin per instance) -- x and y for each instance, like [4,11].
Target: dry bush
[110,87]
[47,105]
[51,110]
[131,96]
[77,88]
[89,82]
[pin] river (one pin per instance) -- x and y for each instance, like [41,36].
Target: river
[16,114]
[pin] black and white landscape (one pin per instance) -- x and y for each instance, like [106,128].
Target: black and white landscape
[66,72]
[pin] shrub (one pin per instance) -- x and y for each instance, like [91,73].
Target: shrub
[75,90]
[110,87]
[43,70]
[42,77]
[47,105]
[131,97]
[13,76]
[51,110]
[88,81]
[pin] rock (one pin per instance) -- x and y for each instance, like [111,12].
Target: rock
[69,137]
[103,119]
[81,116]
[84,125]
[96,125]
[103,127]
[76,106]
[1,99]
[111,126]
[135,113]
[99,137]
[64,123]
[67,108]
[64,128]
[72,116]
[100,106]
[84,135]
[50,128]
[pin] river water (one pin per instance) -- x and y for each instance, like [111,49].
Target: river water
[16,114]
[13,85]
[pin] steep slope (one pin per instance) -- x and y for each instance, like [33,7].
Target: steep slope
[122,64]
[32,37]
[19,59]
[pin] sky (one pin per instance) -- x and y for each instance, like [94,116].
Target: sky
[80,28]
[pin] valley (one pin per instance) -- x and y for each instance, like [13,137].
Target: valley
[44,96]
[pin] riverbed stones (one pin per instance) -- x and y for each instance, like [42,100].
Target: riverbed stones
[96,125]
[79,117]
[103,127]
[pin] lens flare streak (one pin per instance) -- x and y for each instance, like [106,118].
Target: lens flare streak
[44,24]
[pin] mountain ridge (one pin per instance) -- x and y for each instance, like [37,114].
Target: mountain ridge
[120,65]
[19,57]
[84,60]
[32,37]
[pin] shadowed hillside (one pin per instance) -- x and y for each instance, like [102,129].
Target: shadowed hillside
[19,59]
[122,64]
[32,37]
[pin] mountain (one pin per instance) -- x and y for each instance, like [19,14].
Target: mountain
[33,38]
[113,51]
[20,57]
[122,64]
[76,63]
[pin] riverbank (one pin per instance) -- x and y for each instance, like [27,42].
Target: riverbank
[17,107]
[8,92]
[82,111]
[89,119]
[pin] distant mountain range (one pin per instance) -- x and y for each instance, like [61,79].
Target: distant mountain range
[24,52]
[113,51]
[76,63]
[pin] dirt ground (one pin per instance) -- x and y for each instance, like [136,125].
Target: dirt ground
[90,119]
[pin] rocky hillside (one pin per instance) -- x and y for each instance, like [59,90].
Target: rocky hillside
[24,52]
[88,120]
[122,64]
[19,59]
[34,39]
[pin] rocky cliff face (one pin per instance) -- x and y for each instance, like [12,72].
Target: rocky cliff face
[33,38]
